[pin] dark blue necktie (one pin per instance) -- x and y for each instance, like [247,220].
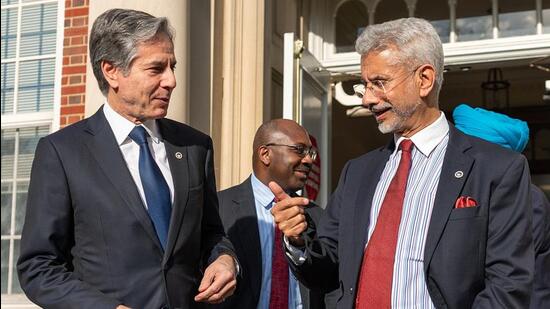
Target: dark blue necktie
[157,192]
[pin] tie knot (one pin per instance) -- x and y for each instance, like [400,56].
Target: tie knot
[406,145]
[139,135]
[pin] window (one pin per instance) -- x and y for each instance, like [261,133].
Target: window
[351,18]
[437,12]
[389,10]
[31,56]
[516,18]
[18,146]
[474,20]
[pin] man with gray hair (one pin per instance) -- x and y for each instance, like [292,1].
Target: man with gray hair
[435,219]
[122,209]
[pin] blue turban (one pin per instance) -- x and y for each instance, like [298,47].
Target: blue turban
[493,127]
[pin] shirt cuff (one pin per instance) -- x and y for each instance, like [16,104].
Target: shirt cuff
[297,255]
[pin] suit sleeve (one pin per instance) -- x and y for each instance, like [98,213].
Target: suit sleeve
[45,262]
[320,270]
[509,261]
[214,240]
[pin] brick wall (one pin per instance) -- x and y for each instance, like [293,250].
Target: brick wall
[75,46]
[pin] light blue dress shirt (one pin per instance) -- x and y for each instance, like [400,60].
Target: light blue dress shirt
[263,198]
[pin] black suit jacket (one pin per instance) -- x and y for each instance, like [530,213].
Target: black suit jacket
[88,241]
[479,257]
[238,213]
[541,238]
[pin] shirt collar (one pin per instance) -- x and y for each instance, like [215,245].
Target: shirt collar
[428,138]
[262,193]
[122,126]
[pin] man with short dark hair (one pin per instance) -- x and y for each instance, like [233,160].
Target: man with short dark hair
[282,152]
[122,208]
[436,219]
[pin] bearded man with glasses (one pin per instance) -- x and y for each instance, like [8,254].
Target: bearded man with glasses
[435,219]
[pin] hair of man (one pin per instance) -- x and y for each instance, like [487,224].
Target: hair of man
[416,40]
[116,35]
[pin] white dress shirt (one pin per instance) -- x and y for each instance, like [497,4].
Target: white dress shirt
[130,150]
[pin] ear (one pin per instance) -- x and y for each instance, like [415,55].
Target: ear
[264,155]
[111,73]
[426,77]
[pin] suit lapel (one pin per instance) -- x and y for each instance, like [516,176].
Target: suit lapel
[247,227]
[103,146]
[363,204]
[448,189]
[179,168]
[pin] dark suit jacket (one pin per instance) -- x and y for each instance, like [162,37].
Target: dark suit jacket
[479,257]
[88,241]
[238,213]
[541,238]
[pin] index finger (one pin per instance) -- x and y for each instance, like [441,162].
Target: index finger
[279,193]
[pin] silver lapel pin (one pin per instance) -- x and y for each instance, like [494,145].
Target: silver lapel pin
[178,155]
[459,174]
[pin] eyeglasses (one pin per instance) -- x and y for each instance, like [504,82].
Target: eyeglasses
[301,150]
[378,87]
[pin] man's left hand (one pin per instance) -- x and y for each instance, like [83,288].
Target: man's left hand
[219,280]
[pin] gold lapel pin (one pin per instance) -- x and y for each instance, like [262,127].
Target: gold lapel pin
[178,155]
[459,174]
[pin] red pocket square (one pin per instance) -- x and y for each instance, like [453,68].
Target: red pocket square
[465,202]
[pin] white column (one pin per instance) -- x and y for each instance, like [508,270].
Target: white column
[242,83]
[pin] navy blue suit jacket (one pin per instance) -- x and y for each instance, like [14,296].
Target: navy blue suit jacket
[88,241]
[478,257]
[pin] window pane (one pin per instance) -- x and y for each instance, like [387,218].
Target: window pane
[516,18]
[16,287]
[5,260]
[351,18]
[437,12]
[8,152]
[36,82]
[20,205]
[389,10]
[6,2]
[8,76]
[7,191]
[38,30]
[474,20]
[28,139]
[9,29]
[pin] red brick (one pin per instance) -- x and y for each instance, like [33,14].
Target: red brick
[73,69]
[77,40]
[66,60]
[66,41]
[67,23]
[63,121]
[64,100]
[78,59]
[77,3]
[73,119]
[65,90]
[64,80]
[76,31]
[75,99]
[74,50]
[80,21]
[81,11]
[72,109]
[75,79]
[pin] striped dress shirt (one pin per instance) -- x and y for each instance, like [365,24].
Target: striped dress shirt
[409,286]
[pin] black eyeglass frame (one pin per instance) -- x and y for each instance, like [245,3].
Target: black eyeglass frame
[300,150]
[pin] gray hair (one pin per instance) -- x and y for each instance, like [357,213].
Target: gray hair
[116,35]
[416,40]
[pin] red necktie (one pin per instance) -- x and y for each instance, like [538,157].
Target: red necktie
[375,281]
[279,273]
